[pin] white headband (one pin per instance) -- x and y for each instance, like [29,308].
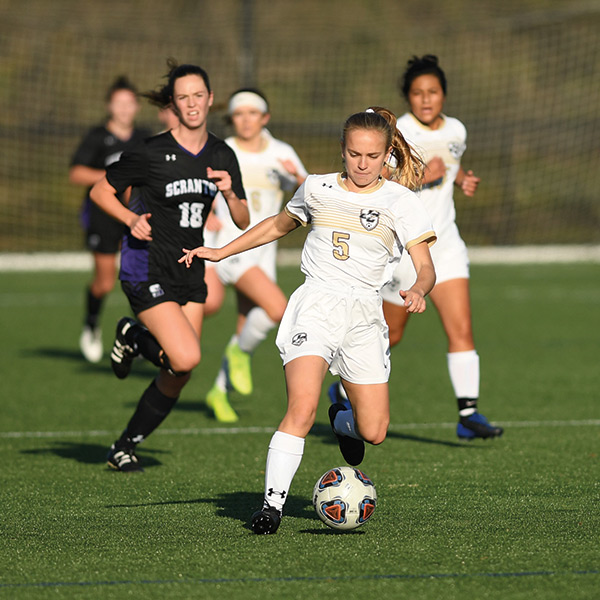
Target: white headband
[247,99]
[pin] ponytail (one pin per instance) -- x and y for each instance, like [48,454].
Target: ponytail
[404,164]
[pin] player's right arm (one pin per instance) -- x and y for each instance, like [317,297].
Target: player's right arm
[414,298]
[434,170]
[83,175]
[269,230]
[105,196]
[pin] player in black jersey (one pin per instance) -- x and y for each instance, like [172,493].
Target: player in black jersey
[101,147]
[177,175]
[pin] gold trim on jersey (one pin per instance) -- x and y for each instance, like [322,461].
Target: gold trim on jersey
[426,127]
[342,183]
[295,217]
[428,237]
[339,215]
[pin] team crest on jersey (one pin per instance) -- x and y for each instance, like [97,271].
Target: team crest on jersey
[369,218]
[299,339]
[457,149]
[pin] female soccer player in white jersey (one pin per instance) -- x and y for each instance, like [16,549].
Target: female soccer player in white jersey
[269,166]
[102,146]
[360,223]
[177,175]
[441,141]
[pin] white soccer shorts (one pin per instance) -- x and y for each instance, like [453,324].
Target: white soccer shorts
[346,328]
[232,268]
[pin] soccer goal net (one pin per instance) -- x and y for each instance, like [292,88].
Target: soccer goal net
[523,80]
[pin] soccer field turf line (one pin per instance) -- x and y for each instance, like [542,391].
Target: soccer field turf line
[406,576]
[246,430]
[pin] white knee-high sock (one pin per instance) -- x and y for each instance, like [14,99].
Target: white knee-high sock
[221,380]
[464,375]
[255,330]
[283,459]
[344,424]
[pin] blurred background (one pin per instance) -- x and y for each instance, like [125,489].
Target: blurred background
[523,76]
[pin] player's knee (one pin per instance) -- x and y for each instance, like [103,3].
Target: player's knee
[395,334]
[374,433]
[462,336]
[102,286]
[183,362]
[302,417]
[213,303]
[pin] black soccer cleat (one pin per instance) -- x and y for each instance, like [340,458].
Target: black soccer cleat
[352,450]
[123,458]
[122,354]
[266,520]
[477,426]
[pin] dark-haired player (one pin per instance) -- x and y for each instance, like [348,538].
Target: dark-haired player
[102,146]
[177,175]
[269,166]
[441,141]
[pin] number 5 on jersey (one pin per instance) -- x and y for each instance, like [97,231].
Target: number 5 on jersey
[341,250]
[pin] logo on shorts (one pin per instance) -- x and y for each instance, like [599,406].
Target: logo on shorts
[369,218]
[299,339]
[94,240]
[156,290]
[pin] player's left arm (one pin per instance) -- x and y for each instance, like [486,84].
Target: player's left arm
[269,230]
[467,182]
[414,298]
[238,207]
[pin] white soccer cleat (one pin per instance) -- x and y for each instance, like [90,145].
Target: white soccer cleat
[90,344]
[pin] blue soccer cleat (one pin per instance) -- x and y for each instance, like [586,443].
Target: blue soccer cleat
[336,398]
[477,426]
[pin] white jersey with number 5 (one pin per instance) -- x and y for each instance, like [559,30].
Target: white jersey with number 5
[356,238]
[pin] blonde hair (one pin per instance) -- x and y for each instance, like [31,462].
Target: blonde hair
[409,167]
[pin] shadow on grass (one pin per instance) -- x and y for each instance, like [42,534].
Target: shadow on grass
[238,506]
[90,454]
[140,368]
[324,432]
[196,406]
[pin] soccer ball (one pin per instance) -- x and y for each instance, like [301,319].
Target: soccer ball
[344,498]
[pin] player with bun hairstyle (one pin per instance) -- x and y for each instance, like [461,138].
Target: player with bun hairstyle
[102,146]
[360,223]
[269,166]
[177,175]
[441,141]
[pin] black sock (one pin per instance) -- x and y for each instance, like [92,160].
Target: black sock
[93,307]
[467,404]
[139,337]
[151,411]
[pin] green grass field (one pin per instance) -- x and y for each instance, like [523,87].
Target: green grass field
[515,518]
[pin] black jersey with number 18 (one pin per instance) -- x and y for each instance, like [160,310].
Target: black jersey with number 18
[172,185]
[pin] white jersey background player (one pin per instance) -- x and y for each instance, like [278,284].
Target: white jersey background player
[441,142]
[360,222]
[269,167]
